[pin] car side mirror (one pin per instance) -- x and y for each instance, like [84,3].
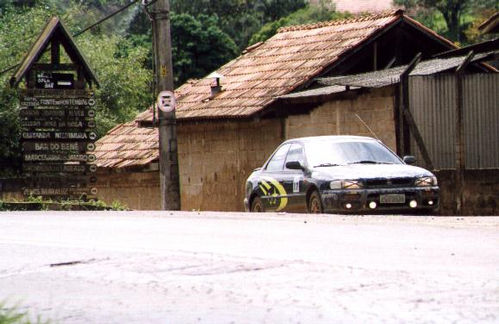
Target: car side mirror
[409,159]
[294,165]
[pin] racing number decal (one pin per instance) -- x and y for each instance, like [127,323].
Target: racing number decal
[296,184]
[275,191]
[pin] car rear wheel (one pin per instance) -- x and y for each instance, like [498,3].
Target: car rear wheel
[314,203]
[257,205]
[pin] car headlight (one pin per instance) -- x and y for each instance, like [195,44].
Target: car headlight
[426,181]
[345,184]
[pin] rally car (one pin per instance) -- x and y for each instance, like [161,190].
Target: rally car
[339,174]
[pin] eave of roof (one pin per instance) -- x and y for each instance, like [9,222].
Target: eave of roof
[485,46]
[53,26]
[383,78]
[127,145]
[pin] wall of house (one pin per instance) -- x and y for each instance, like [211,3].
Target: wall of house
[339,117]
[135,190]
[480,192]
[215,159]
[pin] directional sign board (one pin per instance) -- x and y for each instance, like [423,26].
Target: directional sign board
[58,134]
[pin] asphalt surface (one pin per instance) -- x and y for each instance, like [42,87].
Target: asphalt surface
[180,267]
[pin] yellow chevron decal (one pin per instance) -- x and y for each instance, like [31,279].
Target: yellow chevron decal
[279,192]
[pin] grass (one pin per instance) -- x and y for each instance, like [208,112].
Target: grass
[38,203]
[12,315]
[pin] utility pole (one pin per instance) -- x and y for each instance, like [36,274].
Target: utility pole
[168,157]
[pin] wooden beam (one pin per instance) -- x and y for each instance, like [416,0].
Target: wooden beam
[55,51]
[460,140]
[418,138]
[407,115]
[58,67]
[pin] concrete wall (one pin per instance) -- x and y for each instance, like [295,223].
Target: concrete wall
[375,108]
[481,192]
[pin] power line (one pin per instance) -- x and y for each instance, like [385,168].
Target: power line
[85,29]
[105,18]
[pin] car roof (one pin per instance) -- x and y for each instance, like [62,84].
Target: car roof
[331,138]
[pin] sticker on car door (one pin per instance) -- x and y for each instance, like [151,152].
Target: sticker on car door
[274,192]
[296,184]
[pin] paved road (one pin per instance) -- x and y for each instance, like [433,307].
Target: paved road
[165,267]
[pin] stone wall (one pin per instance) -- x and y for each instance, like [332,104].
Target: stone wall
[375,108]
[135,190]
[215,159]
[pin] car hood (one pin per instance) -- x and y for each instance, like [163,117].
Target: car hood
[366,171]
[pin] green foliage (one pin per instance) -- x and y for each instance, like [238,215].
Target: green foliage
[34,203]
[308,15]
[10,154]
[198,46]
[239,19]
[11,315]
[457,15]
[125,81]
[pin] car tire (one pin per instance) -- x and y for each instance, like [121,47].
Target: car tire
[314,204]
[257,205]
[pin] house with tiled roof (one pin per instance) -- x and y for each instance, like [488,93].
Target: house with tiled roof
[223,135]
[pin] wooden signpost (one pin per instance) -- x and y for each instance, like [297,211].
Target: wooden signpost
[57,117]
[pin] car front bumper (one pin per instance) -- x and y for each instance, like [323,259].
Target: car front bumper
[373,200]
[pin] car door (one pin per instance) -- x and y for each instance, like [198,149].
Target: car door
[272,193]
[293,180]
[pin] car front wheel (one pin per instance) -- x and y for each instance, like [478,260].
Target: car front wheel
[257,205]
[314,203]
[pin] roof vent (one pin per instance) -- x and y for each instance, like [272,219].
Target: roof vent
[215,85]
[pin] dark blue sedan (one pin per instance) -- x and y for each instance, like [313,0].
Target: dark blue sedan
[339,174]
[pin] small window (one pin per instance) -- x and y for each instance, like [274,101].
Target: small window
[295,154]
[276,163]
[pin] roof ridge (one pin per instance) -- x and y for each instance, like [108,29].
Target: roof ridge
[359,18]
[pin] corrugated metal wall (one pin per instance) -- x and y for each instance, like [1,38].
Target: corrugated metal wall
[433,101]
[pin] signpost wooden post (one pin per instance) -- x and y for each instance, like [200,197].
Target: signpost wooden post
[57,117]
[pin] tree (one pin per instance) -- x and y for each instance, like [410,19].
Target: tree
[198,46]
[125,81]
[454,12]
[239,19]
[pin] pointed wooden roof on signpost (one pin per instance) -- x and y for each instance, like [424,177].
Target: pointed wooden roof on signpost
[54,33]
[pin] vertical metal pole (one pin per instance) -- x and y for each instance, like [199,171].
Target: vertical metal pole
[460,141]
[168,157]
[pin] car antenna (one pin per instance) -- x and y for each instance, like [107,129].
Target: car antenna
[369,129]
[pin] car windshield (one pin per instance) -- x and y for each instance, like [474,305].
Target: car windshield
[330,153]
